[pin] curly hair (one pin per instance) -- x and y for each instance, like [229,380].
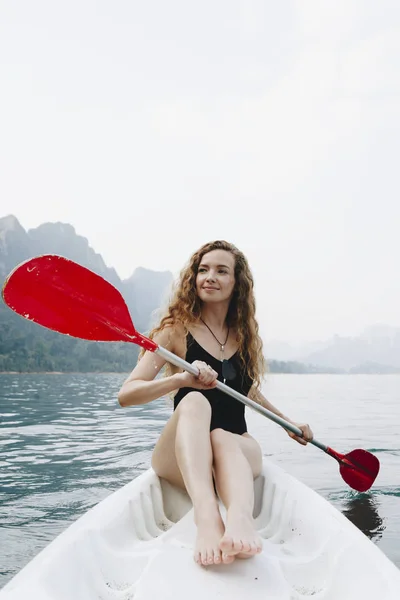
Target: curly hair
[185,307]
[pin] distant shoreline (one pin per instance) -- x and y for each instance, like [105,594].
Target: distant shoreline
[127,373]
[64,372]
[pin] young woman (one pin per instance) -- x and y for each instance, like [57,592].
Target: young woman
[211,323]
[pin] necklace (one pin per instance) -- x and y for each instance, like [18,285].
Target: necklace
[228,370]
[222,346]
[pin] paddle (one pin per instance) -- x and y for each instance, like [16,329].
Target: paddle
[66,297]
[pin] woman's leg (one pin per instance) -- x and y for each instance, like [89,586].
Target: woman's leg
[237,461]
[183,456]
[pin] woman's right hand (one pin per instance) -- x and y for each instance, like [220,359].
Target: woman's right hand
[206,380]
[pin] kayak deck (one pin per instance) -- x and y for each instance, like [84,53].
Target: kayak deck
[137,544]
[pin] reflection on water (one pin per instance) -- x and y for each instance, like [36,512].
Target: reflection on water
[362,511]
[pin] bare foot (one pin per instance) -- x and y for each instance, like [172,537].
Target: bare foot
[240,539]
[210,529]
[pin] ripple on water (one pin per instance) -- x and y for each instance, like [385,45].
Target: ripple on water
[67,451]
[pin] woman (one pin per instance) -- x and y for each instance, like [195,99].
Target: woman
[211,323]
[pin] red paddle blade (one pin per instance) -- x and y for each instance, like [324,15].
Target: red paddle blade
[358,468]
[59,294]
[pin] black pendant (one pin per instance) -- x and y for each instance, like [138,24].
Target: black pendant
[228,370]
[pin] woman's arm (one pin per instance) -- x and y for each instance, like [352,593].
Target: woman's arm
[141,387]
[258,397]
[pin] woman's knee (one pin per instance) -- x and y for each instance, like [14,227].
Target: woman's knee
[194,405]
[221,440]
[226,443]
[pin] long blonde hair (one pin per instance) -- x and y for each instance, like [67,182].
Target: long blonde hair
[185,307]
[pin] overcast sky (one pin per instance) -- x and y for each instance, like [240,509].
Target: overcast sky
[154,127]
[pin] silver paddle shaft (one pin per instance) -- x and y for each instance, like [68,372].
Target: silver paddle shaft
[182,364]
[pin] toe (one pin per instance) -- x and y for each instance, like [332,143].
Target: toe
[252,549]
[227,559]
[226,544]
[217,556]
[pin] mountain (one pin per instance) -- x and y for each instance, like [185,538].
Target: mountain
[25,346]
[375,350]
[378,345]
[285,351]
[145,292]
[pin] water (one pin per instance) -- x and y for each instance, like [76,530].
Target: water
[65,444]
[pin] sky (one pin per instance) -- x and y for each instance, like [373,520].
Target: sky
[154,127]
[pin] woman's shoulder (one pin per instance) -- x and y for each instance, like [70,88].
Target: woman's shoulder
[172,336]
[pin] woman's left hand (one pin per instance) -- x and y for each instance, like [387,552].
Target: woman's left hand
[307,433]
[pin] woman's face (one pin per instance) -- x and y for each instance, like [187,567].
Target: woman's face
[215,279]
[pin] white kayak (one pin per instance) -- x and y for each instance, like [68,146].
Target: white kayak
[137,544]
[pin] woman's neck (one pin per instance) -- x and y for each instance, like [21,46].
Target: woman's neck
[214,316]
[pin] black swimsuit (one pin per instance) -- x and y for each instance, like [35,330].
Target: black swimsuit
[226,412]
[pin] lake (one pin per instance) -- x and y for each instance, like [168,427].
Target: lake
[65,444]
